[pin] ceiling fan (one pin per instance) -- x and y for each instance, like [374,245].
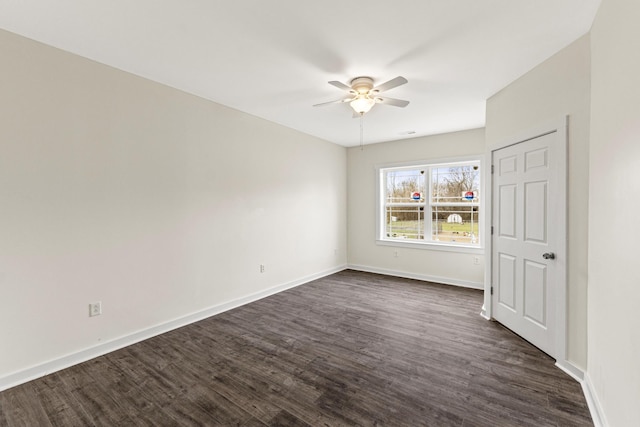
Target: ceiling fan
[363,95]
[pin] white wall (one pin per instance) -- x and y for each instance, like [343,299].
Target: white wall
[558,87]
[155,202]
[364,253]
[614,203]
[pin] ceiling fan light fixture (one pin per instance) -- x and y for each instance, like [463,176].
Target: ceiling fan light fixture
[362,104]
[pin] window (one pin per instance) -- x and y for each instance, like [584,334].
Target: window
[431,203]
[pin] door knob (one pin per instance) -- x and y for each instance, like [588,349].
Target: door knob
[549,255]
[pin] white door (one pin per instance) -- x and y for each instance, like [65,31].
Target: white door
[528,232]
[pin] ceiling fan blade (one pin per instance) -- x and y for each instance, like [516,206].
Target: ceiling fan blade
[337,101]
[398,81]
[340,85]
[392,101]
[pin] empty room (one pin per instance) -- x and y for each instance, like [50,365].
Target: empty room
[319,213]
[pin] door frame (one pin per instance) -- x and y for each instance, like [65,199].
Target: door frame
[561,128]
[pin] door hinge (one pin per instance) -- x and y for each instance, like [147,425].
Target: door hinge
[492,230]
[492,168]
[492,290]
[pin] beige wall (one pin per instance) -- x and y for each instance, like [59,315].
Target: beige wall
[155,202]
[614,203]
[364,253]
[558,87]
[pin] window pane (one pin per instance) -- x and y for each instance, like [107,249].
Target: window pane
[455,224]
[405,186]
[404,222]
[450,184]
[445,194]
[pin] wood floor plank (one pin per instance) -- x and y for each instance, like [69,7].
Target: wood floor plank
[350,349]
[285,419]
[59,404]
[22,407]
[247,396]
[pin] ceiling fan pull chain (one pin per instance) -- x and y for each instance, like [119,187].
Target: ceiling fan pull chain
[361,132]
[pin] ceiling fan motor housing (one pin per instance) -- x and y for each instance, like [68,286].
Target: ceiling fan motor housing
[362,85]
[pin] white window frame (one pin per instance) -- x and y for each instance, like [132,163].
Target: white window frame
[380,231]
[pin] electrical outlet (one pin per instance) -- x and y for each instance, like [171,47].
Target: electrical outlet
[95,309]
[476,260]
[261,268]
[395,254]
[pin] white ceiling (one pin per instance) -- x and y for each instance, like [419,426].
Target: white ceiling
[273,59]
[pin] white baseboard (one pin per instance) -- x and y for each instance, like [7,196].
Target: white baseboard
[587,389]
[597,414]
[416,276]
[570,369]
[58,364]
[484,314]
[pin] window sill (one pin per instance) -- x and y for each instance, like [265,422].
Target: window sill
[433,246]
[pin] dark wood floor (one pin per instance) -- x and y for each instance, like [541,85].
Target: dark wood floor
[349,349]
